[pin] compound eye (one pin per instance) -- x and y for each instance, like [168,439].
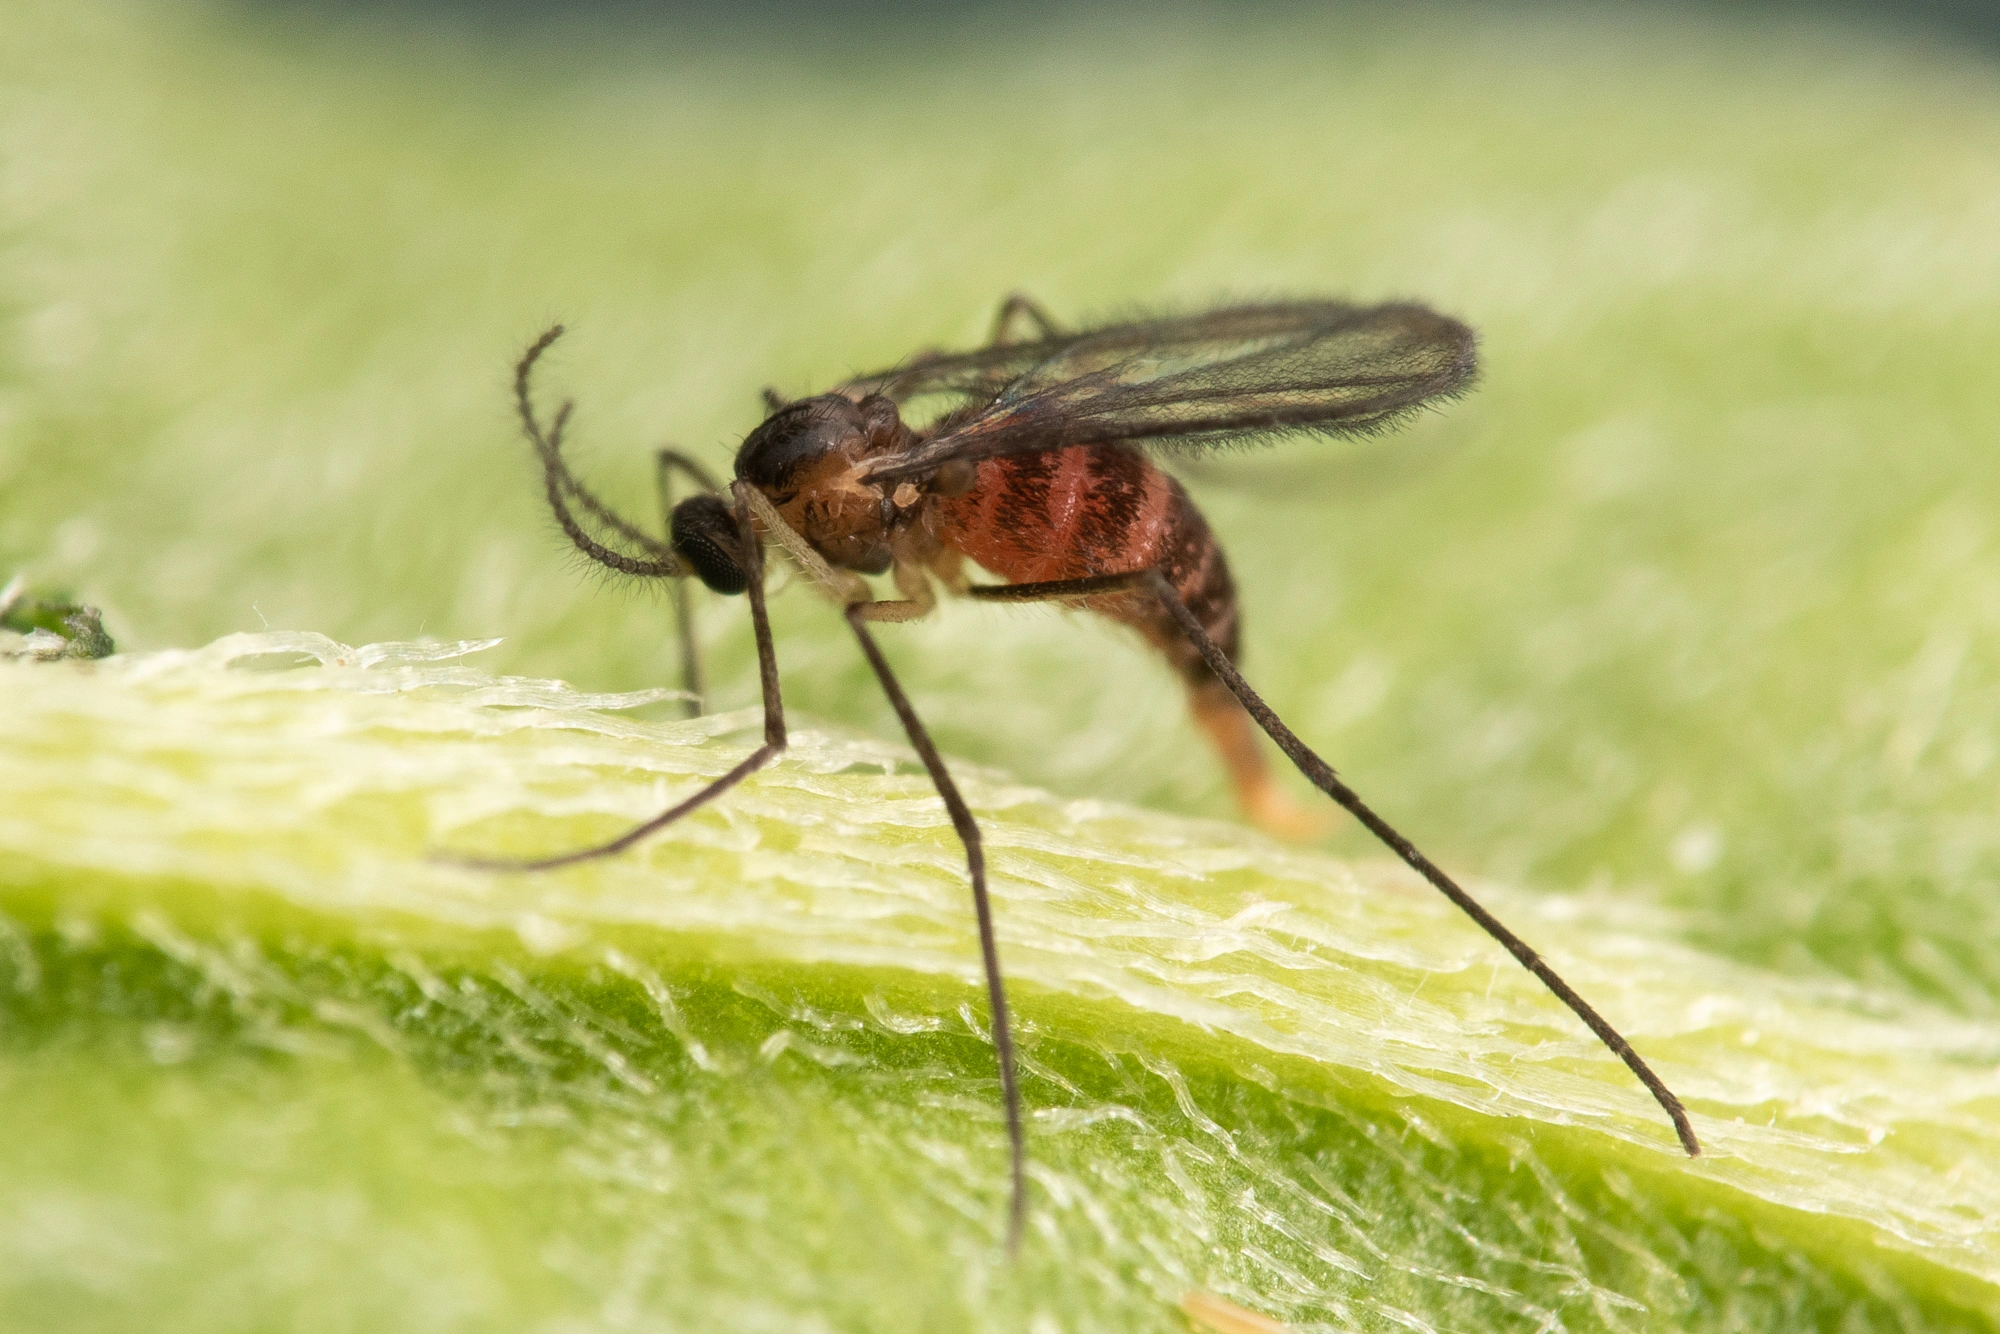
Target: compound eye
[705,536]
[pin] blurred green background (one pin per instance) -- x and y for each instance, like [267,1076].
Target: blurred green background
[1689,616]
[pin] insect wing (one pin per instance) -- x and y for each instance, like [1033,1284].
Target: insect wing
[979,375]
[1064,356]
[1231,374]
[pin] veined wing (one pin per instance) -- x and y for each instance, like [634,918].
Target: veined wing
[1193,382]
[979,375]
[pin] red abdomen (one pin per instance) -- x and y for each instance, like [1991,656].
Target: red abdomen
[1093,510]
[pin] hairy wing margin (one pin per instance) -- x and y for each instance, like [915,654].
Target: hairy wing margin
[1228,375]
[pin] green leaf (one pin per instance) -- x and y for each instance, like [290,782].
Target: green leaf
[1678,639]
[264,1037]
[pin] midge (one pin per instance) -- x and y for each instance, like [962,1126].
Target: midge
[1037,472]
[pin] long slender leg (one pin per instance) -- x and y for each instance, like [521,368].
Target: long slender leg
[665,463]
[975,865]
[691,685]
[670,459]
[844,587]
[1056,590]
[1324,778]
[774,728]
[1013,308]
[1214,709]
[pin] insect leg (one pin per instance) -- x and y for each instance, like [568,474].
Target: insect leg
[1015,306]
[1214,709]
[773,400]
[691,684]
[975,865]
[669,459]
[843,587]
[893,612]
[1324,778]
[1056,590]
[918,601]
[665,463]
[774,727]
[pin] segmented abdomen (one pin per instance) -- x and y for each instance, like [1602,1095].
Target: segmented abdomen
[1092,510]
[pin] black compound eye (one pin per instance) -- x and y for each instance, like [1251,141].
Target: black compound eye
[706,537]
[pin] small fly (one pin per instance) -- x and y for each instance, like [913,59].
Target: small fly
[1037,471]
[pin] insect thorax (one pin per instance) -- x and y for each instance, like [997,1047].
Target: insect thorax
[806,458]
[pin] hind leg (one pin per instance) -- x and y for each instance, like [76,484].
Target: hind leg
[665,463]
[1015,308]
[1215,711]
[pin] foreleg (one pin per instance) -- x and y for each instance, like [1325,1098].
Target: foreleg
[774,727]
